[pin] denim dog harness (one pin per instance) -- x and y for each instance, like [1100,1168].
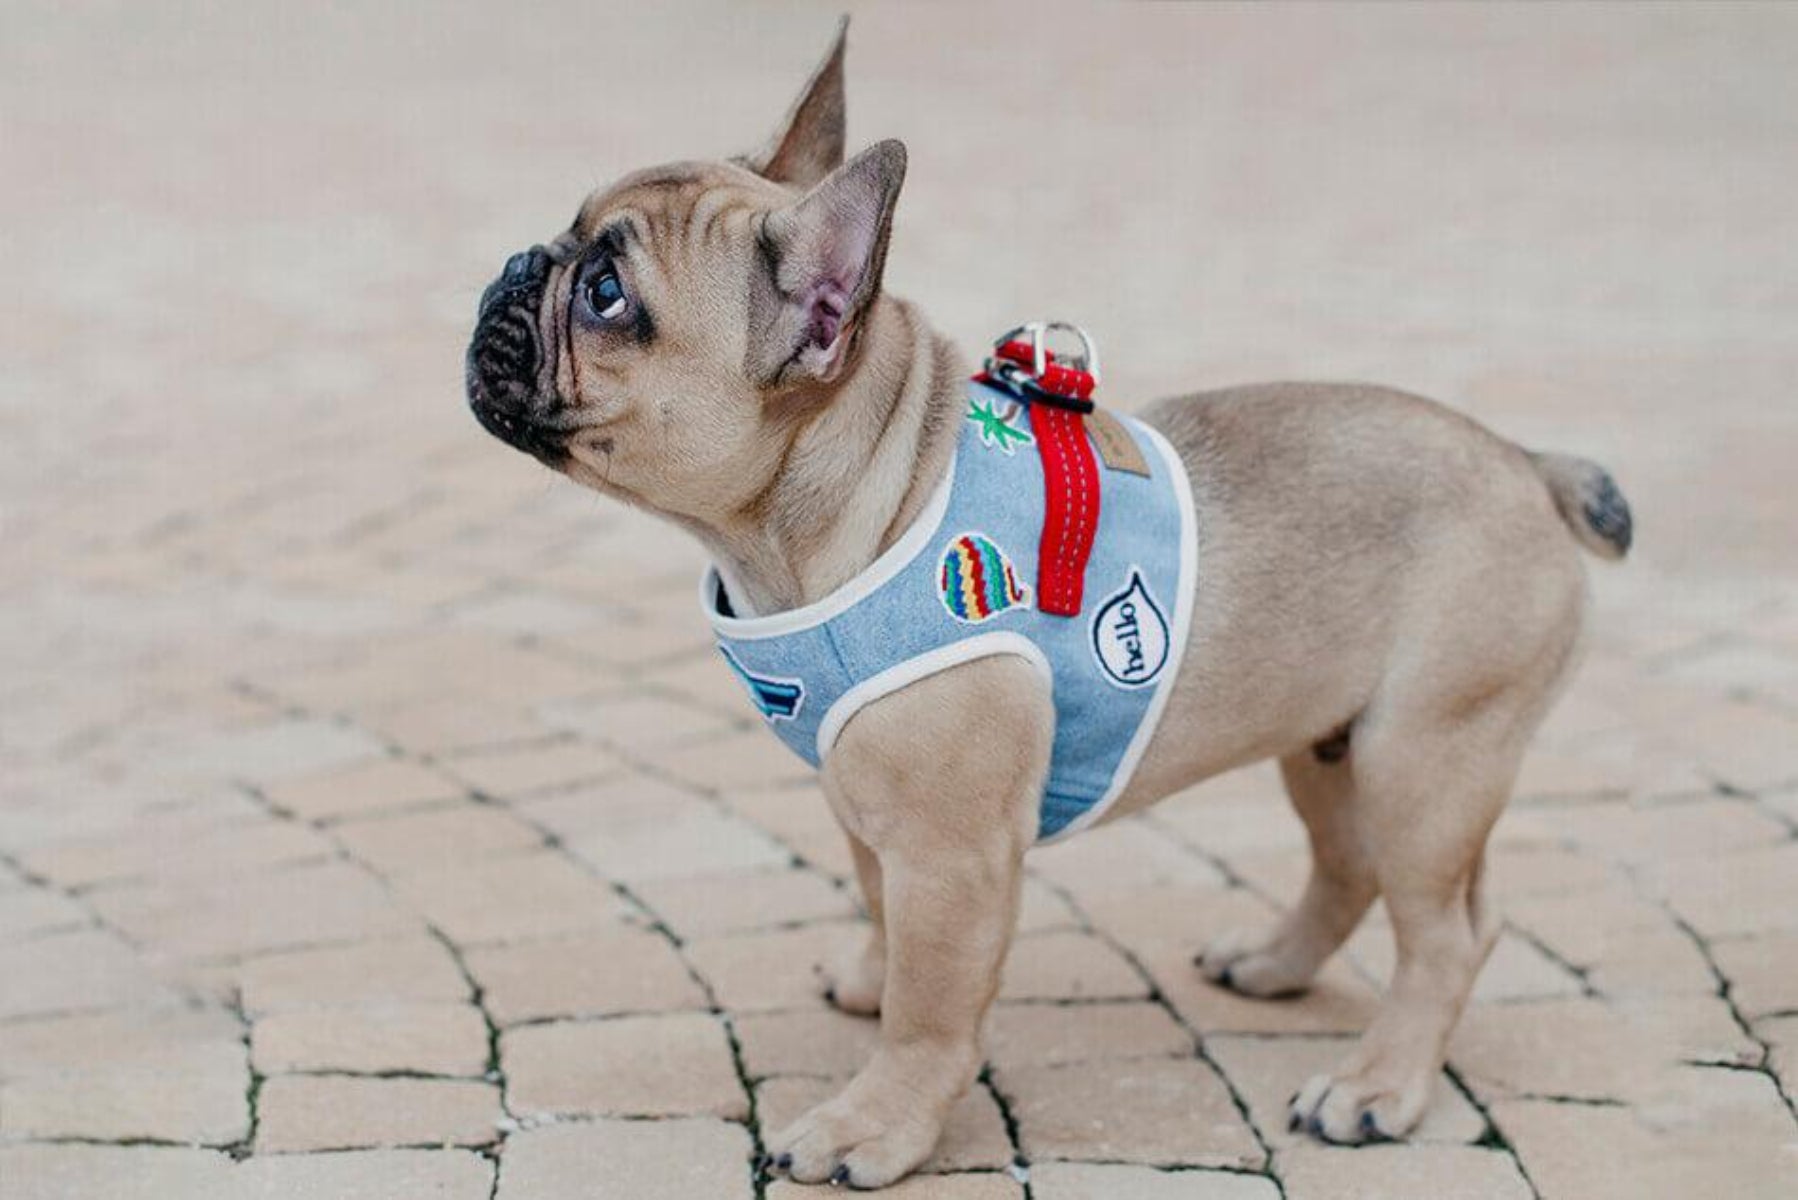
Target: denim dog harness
[972,577]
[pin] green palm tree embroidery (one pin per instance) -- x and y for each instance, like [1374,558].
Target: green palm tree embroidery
[996,428]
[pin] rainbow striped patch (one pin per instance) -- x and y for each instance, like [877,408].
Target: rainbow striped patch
[976,580]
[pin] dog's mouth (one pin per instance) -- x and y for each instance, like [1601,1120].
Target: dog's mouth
[506,362]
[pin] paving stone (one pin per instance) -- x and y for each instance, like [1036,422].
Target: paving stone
[824,1043]
[325,1112]
[626,805]
[633,722]
[1162,1112]
[1400,1173]
[1589,1050]
[929,1187]
[693,840]
[448,724]
[1762,972]
[365,1175]
[1582,927]
[603,973]
[974,1136]
[1338,1001]
[180,853]
[772,970]
[1751,892]
[1516,969]
[73,972]
[675,1065]
[436,838]
[1117,1181]
[1661,833]
[198,1099]
[1068,966]
[1045,1035]
[416,969]
[427,1039]
[1745,746]
[1582,1152]
[1124,856]
[749,759]
[281,910]
[382,785]
[799,818]
[1781,1036]
[269,753]
[522,771]
[29,912]
[1267,1072]
[519,896]
[629,1160]
[1042,909]
[64,1172]
[1660,961]
[743,901]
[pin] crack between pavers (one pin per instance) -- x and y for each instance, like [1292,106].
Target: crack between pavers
[1020,1164]
[1158,997]
[1492,1136]
[653,923]
[1583,974]
[1725,992]
[493,1072]
[244,1146]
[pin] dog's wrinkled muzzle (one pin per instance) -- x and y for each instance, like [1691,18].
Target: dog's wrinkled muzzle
[505,359]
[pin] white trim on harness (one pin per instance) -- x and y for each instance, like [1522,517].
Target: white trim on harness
[1183,605]
[931,662]
[897,557]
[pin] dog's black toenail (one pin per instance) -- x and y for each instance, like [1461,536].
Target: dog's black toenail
[1370,1128]
[1225,979]
[1293,1122]
[1315,1126]
[784,1162]
[839,1176]
[830,995]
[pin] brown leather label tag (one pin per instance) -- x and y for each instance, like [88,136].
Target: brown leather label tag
[1117,449]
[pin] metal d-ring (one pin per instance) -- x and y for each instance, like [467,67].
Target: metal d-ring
[1038,333]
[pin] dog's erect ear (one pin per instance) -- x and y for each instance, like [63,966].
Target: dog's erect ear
[821,262]
[809,143]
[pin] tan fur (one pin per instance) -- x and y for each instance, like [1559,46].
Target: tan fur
[1377,572]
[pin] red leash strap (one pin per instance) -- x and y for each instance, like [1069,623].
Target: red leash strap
[1071,511]
[1071,492]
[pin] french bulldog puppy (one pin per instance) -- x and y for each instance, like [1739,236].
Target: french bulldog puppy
[1390,597]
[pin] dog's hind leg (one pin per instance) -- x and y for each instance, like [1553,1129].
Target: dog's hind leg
[1429,784]
[1281,960]
[854,979]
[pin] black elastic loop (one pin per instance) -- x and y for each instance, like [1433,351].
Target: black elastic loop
[1027,389]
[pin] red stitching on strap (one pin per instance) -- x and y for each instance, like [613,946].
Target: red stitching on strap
[1070,512]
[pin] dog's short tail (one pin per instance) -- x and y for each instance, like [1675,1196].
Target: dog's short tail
[1590,502]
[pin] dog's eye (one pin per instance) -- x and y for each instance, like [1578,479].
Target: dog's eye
[605,296]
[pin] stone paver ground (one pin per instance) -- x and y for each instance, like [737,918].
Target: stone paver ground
[375,820]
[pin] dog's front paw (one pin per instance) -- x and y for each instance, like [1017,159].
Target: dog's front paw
[864,1141]
[854,978]
[1256,963]
[1363,1107]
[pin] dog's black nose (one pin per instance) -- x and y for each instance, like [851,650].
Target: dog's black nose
[525,265]
[505,357]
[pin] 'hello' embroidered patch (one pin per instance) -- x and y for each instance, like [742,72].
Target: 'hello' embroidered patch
[976,580]
[1130,638]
